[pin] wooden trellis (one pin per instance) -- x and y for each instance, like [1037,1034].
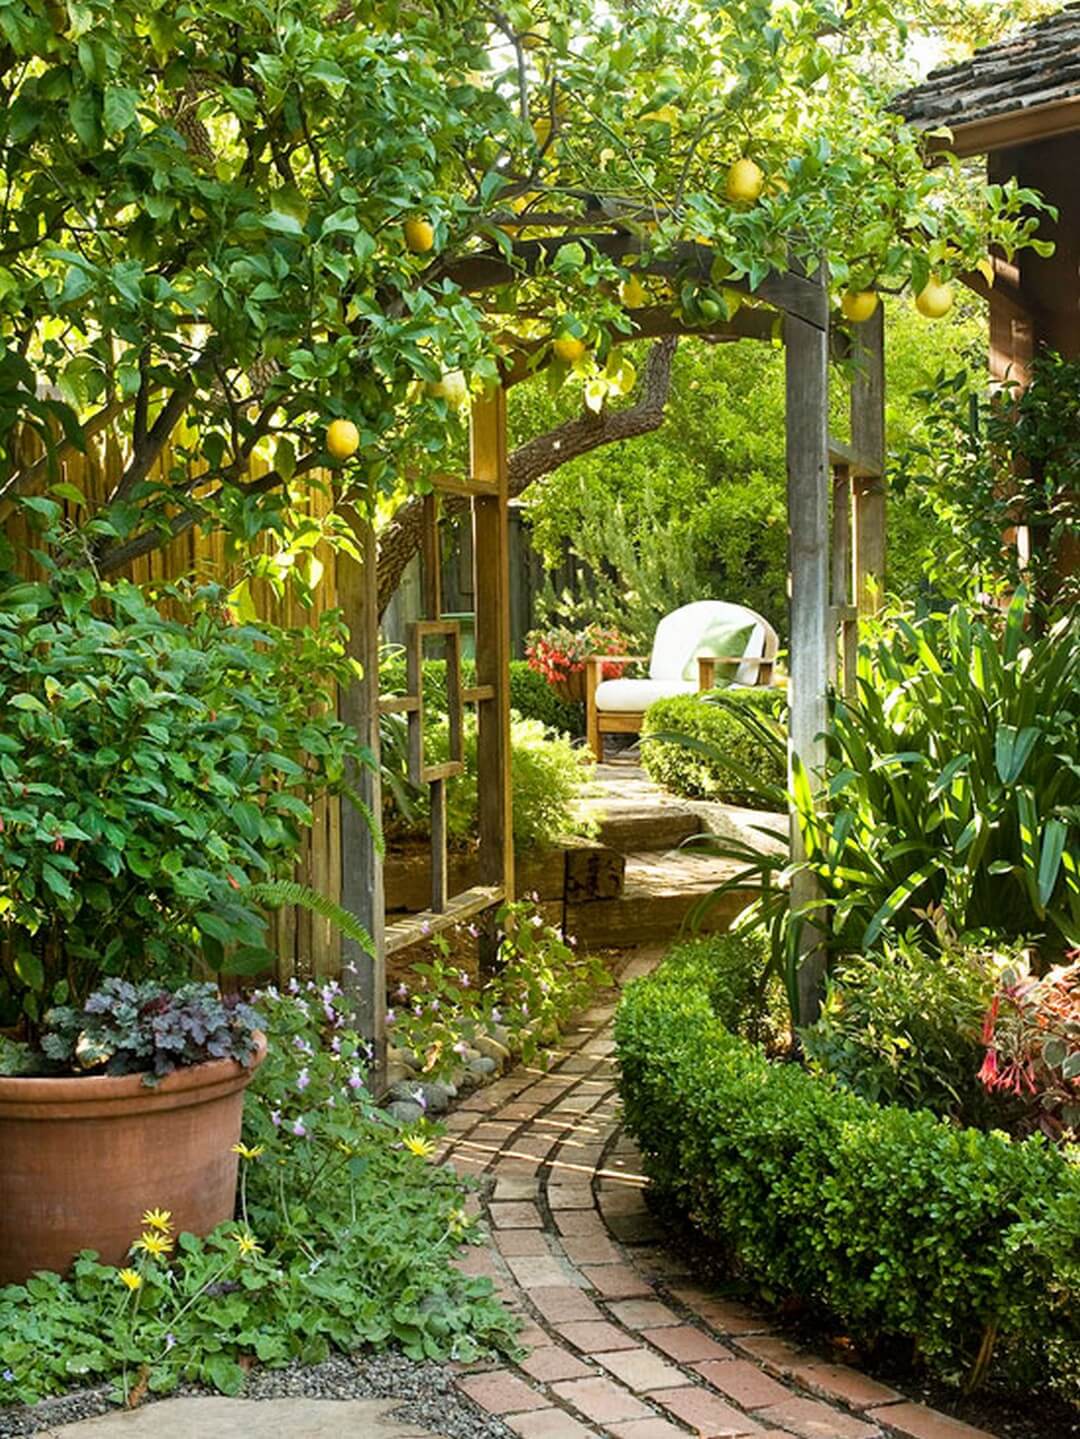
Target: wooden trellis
[362,891]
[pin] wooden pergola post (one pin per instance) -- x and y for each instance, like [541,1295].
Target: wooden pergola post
[363,977]
[868,443]
[491,547]
[812,641]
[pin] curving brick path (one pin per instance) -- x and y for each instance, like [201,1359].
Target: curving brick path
[622,1340]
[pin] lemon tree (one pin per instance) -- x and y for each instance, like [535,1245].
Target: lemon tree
[226,227]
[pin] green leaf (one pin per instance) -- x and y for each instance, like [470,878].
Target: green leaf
[120,108]
[30,970]
[1054,837]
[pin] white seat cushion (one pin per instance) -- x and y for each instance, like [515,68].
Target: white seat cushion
[635,696]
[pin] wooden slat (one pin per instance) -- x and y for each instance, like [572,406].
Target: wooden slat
[477,694]
[439,861]
[1017,127]
[399,704]
[857,465]
[448,769]
[419,928]
[460,485]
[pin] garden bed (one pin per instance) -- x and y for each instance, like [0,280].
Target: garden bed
[921,1238]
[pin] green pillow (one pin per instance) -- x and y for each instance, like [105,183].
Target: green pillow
[720,639]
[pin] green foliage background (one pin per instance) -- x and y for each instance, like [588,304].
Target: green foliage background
[697,508]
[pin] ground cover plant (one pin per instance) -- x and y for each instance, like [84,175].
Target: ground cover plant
[538,979]
[692,769]
[952,1245]
[315,1260]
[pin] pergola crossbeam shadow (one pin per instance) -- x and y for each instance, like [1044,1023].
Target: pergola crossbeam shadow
[836,543]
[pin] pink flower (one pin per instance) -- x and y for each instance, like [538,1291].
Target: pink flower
[988,1074]
[298,1129]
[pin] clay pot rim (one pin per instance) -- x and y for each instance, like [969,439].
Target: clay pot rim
[88,1088]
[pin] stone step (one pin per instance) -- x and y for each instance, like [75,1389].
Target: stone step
[659,897]
[633,814]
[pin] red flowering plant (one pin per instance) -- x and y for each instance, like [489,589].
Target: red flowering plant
[560,654]
[1032,1038]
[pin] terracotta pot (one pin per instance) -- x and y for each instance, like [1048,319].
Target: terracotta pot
[571,690]
[81,1159]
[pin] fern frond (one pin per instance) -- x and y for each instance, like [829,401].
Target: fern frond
[275,893]
[357,800]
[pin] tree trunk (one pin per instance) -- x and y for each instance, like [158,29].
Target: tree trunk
[401,538]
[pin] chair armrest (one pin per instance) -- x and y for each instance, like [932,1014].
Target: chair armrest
[707,665]
[616,659]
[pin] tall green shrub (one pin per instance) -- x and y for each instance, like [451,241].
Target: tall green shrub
[695,770]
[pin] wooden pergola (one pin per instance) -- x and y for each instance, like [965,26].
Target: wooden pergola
[836,527]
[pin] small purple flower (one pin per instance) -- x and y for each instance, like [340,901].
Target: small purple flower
[537,921]
[303,1079]
[391,1017]
[9,1376]
[298,1129]
[330,1101]
[425,928]
[275,1118]
[474,931]
[434,1006]
[461,1048]
[355,1081]
[571,940]
[350,967]
[170,1342]
[402,990]
[294,985]
[464,978]
[535,896]
[496,1015]
[335,1044]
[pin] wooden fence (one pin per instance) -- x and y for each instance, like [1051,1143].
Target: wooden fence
[305,944]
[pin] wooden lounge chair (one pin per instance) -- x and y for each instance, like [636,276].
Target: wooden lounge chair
[697,647]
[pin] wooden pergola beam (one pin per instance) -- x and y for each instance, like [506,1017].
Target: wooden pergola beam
[489,269]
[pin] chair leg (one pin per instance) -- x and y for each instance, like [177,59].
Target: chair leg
[592,714]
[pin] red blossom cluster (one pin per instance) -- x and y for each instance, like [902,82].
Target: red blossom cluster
[1032,1038]
[559,653]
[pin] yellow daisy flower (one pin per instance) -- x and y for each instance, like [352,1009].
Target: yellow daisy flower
[247,1244]
[418,1145]
[249,1152]
[153,1243]
[131,1278]
[159,1219]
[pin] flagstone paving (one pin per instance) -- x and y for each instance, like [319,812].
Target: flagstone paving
[624,1342]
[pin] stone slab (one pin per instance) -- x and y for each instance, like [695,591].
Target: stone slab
[240,1418]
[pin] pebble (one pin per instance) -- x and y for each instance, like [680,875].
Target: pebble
[405,1111]
[492,1049]
[482,1065]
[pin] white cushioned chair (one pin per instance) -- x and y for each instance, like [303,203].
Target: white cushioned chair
[697,647]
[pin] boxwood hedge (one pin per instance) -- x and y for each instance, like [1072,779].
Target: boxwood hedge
[898,1224]
[687,771]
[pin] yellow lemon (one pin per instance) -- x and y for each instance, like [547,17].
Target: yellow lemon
[745,181]
[419,236]
[568,348]
[632,293]
[453,388]
[342,439]
[858,305]
[934,299]
[542,130]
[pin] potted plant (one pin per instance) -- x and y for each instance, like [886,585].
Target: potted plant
[156,776]
[559,654]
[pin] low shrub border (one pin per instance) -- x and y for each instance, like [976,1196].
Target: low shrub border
[688,771]
[903,1227]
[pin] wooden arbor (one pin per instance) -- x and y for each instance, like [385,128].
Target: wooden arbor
[836,562]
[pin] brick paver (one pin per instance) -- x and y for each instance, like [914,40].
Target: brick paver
[625,1342]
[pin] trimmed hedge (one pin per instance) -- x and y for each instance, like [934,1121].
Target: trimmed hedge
[686,771]
[900,1225]
[530,693]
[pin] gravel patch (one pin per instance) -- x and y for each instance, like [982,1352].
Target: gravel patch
[426,1390]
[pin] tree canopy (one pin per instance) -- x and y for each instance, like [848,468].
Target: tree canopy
[225,225]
